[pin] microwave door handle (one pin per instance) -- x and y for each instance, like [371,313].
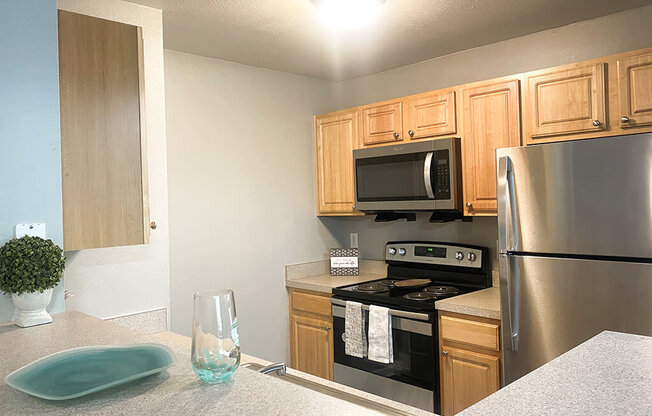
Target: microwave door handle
[426,175]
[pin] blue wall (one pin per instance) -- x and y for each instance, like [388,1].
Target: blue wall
[30,154]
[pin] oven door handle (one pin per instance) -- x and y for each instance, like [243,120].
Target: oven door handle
[427,179]
[392,312]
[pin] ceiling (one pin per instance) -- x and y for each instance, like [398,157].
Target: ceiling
[286,35]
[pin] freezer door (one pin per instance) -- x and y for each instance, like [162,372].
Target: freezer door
[587,197]
[550,305]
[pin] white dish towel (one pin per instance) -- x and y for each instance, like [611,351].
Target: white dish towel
[381,347]
[355,339]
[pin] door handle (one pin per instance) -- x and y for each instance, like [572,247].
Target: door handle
[426,175]
[510,298]
[508,221]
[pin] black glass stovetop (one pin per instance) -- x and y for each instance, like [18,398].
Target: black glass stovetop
[385,292]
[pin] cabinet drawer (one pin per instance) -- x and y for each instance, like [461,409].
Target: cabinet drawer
[480,334]
[311,303]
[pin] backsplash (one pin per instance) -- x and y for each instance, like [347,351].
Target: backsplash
[372,236]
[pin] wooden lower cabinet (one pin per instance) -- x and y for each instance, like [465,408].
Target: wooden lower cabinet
[311,334]
[469,360]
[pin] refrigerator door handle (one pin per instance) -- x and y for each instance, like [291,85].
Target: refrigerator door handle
[508,221]
[509,300]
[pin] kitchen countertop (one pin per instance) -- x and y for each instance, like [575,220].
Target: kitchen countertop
[172,392]
[483,303]
[325,283]
[610,374]
[315,276]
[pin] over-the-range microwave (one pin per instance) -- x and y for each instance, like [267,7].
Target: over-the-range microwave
[420,176]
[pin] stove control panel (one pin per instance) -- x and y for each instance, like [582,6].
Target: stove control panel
[444,254]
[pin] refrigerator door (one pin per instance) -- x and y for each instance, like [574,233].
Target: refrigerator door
[550,305]
[587,197]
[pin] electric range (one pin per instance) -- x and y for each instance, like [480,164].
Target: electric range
[418,274]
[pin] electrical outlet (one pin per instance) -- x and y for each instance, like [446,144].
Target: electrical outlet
[36,230]
[353,240]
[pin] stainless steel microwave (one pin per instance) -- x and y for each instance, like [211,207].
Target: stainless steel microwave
[420,176]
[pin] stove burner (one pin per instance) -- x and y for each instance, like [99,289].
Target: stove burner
[420,296]
[442,290]
[387,282]
[373,287]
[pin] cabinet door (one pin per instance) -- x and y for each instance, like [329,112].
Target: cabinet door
[429,116]
[103,159]
[311,346]
[466,378]
[491,121]
[561,102]
[382,123]
[335,137]
[635,91]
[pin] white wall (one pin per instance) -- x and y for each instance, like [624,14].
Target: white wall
[116,281]
[242,199]
[607,35]
[603,36]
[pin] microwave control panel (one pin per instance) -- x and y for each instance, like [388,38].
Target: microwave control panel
[442,175]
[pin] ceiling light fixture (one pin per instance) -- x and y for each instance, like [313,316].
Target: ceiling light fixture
[347,14]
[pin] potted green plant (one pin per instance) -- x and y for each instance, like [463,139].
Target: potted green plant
[29,268]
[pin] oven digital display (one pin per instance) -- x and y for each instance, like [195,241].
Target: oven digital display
[425,251]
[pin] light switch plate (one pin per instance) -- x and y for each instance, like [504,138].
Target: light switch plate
[353,240]
[35,230]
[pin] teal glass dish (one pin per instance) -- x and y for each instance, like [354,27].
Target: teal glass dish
[80,371]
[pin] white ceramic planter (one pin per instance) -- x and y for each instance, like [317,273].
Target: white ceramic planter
[30,308]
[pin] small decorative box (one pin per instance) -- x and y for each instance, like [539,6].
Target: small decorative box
[344,262]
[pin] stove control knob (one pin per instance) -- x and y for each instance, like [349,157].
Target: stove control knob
[459,256]
[401,251]
[392,251]
[471,257]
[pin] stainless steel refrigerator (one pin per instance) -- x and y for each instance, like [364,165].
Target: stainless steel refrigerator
[575,245]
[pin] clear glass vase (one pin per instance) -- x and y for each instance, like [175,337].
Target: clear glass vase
[215,342]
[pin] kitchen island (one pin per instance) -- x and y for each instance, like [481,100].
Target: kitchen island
[610,374]
[176,391]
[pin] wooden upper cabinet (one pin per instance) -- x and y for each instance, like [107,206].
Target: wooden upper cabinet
[564,101]
[635,91]
[491,121]
[467,377]
[335,139]
[104,164]
[382,123]
[429,115]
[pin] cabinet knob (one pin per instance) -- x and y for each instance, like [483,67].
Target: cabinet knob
[469,205]
[327,328]
[624,119]
[596,123]
[153,225]
[444,353]
[411,133]
[395,135]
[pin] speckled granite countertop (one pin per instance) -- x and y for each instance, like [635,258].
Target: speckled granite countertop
[610,374]
[484,303]
[173,392]
[315,276]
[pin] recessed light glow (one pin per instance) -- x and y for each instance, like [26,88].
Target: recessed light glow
[347,14]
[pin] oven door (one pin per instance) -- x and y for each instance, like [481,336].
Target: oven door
[412,378]
[419,176]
